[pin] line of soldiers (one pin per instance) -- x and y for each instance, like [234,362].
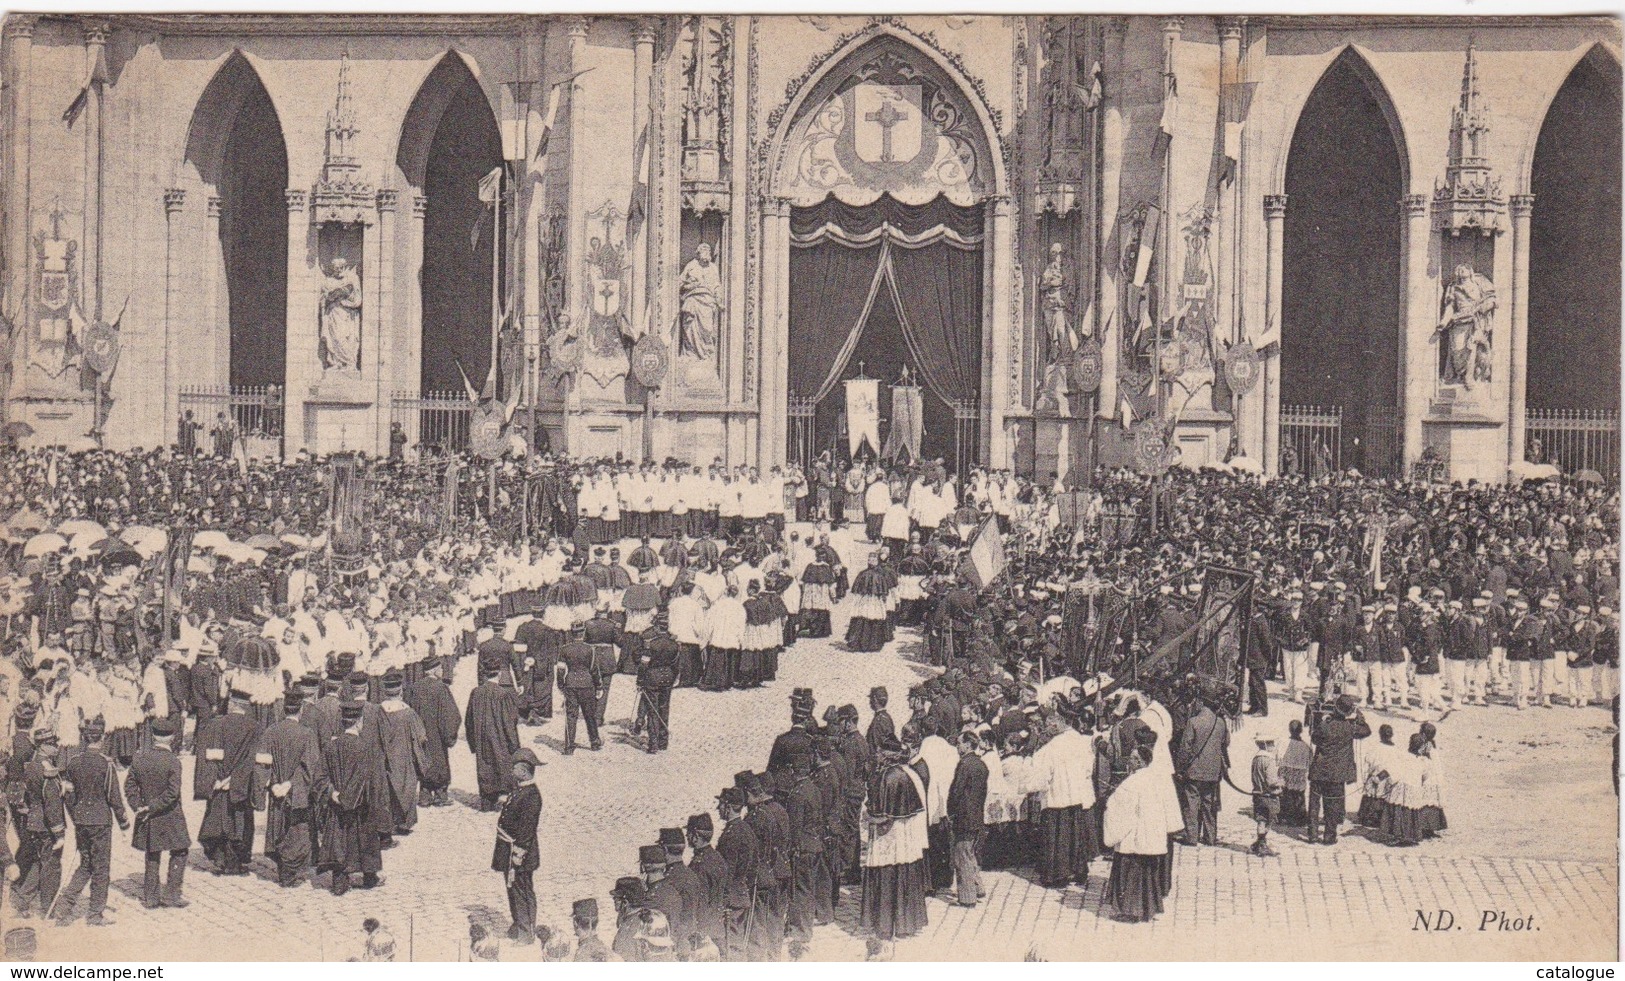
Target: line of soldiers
[789,841]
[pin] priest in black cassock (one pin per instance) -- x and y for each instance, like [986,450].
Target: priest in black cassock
[491,726]
[431,698]
[350,840]
[895,878]
[870,627]
[224,777]
[404,738]
[294,781]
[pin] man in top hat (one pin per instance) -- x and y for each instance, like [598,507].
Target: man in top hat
[224,777]
[94,803]
[665,896]
[739,847]
[515,854]
[584,920]
[710,871]
[1334,766]
[153,790]
[294,758]
[350,841]
[43,829]
[431,698]
[491,726]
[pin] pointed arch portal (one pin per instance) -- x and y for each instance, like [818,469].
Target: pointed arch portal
[448,142]
[1341,277]
[236,146]
[1574,244]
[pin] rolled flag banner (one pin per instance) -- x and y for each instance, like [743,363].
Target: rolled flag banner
[862,414]
[907,424]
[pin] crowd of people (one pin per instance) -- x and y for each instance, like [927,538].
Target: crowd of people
[163,603]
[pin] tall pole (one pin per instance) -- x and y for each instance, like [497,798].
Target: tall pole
[496,324]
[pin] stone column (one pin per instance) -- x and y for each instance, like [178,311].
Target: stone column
[1111,160]
[1001,246]
[643,44]
[218,341]
[1228,227]
[383,271]
[174,201]
[773,371]
[1523,207]
[299,346]
[90,118]
[412,377]
[1168,263]
[20,48]
[1421,313]
[1275,245]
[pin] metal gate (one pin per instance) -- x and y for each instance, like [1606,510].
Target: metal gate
[803,431]
[1575,440]
[257,411]
[1311,439]
[1382,452]
[435,423]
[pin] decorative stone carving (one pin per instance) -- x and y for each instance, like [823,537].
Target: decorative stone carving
[704,60]
[607,268]
[342,197]
[1469,199]
[1071,91]
[1467,328]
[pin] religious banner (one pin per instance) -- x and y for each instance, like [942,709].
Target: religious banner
[1241,368]
[862,414]
[1088,366]
[650,361]
[985,561]
[102,348]
[607,317]
[907,424]
[486,432]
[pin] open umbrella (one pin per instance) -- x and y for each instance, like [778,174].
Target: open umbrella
[1524,470]
[1246,464]
[296,540]
[81,526]
[267,543]
[147,541]
[1588,477]
[86,541]
[27,520]
[44,545]
[253,653]
[120,558]
[17,429]
[199,564]
[206,540]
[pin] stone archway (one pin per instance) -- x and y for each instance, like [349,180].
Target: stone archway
[1342,283]
[236,147]
[887,122]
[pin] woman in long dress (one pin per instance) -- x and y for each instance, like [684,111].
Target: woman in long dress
[1139,820]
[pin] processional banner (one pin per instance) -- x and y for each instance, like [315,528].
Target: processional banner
[862,414]
[907,423]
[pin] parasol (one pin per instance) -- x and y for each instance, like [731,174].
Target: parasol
[119,558]
[254,653]
[199,564]
[266,543]
[44,545]
[147,541]
[17,429]
[210,540]
[1588,477]
[86,541]
[27,520]
[297,541]
[81,526]
[1246,464]
[1524,470]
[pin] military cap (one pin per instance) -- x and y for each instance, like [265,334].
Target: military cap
[878,691]
[45,737]
[238,695]
[25,713]
[356,679]
[630,888]
[849,712]
[350,711]
[310,679]
[732,797]
[336,672]
[832,714]
[93,729]
[700,823]
[672,836]
[526,755]
[584,909]
[393,681]
[293,701]
[162,726]
[766,783]
[652,856]
[743,779]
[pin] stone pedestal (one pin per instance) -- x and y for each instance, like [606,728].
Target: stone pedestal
[1467,435]
[338,414]
[1201,437]
[1061,447]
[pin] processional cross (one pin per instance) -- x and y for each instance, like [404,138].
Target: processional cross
[887,116]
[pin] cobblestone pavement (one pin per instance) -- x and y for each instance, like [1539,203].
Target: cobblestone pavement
[1359,900]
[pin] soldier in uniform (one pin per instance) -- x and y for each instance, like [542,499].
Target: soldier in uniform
[657,674]
[43,829]
[578,678]
[740,849]
[809,875]
[515,854]
[687,881]
[94,802]
[589,947]
[224,778]
[665,896]
[153,790]
[710,871]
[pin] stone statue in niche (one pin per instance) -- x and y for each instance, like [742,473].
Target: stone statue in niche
[1467,325]
[341,317]
[699,307]
[1054,285]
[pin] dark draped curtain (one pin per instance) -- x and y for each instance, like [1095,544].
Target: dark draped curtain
[928,257]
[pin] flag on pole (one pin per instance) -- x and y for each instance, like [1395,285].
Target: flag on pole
[1235,101]
[490,190]
[95,74]
[1148,245]
[551,116]
[1170,114]
[985,561]
[640,185]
